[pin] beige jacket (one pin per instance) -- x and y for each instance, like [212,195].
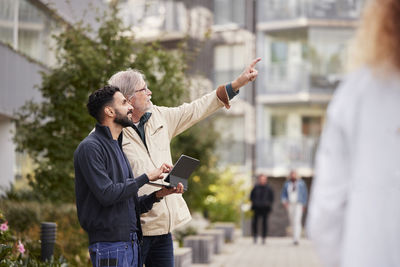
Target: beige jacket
[164,124]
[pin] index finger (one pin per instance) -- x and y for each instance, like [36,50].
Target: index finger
[180,186]
[255,61]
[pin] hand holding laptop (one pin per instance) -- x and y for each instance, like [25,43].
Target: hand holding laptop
[164,191]
[180,173]
[157,174]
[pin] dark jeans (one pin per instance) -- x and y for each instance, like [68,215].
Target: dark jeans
[115,254]
[263,214]
[157,251]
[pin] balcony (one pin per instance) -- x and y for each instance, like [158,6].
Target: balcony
[275,10]
[286,153]
[283,78]
[231,152]
[156,19]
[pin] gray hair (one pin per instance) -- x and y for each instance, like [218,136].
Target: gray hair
[127,81]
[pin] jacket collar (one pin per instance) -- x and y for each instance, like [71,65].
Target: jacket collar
[105,132]
[146,116]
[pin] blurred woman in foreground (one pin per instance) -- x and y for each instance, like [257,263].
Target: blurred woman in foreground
[354,216]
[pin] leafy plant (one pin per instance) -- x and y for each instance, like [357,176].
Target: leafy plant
[14,254]
[71,242]
[223,204]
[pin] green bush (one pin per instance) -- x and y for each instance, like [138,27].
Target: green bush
[15,253]
[228,193]
[71,242]
[20,195]
[22,215]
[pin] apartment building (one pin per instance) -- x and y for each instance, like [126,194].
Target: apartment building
[303,45]
[304,48]
[219,36]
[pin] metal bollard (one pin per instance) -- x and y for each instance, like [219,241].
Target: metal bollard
[48,238]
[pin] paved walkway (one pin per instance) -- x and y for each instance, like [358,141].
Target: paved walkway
[277,252]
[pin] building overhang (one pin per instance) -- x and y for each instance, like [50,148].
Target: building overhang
[295,98]
[277,172]
[159,36]
[279,25]
[17,88]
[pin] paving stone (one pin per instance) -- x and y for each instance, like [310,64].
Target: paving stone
[277,252]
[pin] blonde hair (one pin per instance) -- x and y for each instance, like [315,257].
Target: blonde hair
[377,40]
[127,81]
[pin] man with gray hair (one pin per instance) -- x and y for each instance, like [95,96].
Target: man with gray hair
[147,145]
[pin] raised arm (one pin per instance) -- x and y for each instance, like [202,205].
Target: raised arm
[183,117]
[248,75]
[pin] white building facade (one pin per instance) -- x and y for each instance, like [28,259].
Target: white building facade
[304,49]
[26,49]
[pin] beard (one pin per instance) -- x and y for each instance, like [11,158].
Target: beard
[122,120]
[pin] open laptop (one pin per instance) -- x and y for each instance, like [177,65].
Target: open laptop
[180,173]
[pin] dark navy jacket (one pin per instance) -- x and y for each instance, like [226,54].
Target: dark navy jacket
[102,192]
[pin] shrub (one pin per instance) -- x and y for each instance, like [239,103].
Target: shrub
[13,252]
[228,193]
[21,215]
[71,242]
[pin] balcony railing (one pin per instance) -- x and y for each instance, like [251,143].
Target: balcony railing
[294,78]
[283,78]
[271,10]
[231,152]
[286,152]
[155,17]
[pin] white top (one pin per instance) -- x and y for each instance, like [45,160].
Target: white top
[292,194]
[354,216]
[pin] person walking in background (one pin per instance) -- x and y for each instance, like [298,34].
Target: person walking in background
[147,143]
[294,199]
[262,198]
[354,215]
[106,192]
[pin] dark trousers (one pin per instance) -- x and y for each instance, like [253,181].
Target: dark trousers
[157,251]
[263,214]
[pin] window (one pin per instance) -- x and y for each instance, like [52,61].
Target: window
[153,18]
[278,125]
[229,11]
[7,11]
[231,146]
[229,61]
[326,53]
[311,126]
[31,34]
[279,52]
